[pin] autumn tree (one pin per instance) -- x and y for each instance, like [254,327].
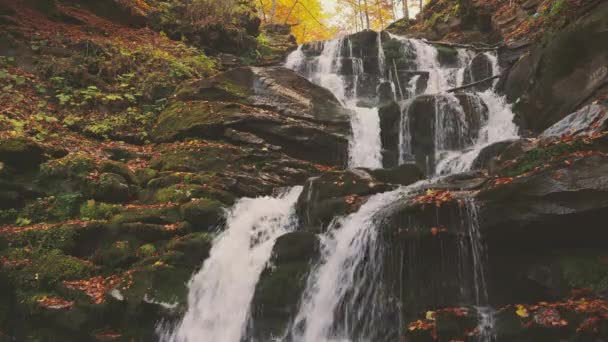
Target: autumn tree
[306,17]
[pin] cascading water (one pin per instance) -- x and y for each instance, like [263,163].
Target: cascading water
[341,294]
[325,70]
[342,300]
[220,293]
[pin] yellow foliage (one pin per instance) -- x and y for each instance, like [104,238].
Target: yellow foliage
[522,311]
[306,17]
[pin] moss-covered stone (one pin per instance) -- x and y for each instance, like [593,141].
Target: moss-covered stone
[117,254]
[280,287]
[166,215]
[118,168]
[203,214]
[541,155]
[191,249]
[111,188]
[587,270]
[197,118]
[21,153]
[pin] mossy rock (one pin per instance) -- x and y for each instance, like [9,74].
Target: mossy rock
[146,232]
[21,153]
[447,56]
[203,214]
[68,173]
[161,284]
[111,188]
[144,175]
[48,269]
[57,208]
[191,249]
[55,238]
[280,287]
[118,254]
[587,269]
[161,216]
[194,119]
[118,168]
[209,158]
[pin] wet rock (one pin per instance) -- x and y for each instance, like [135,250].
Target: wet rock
[461,115]
[545,206]
[293,124]
[280,288]
[573,68]
[335,194]
[479,69]
[390,122]
[404,174]
[203,214]
[486,156]
[587,120]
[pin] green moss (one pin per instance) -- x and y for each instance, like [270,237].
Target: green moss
[47,269]
[118,254]
[53,209]
[73,166]
[190,250]
[179,193]
[148,215]
[146,250]
[586,270]
[540,156]
[55,238]
[92,210]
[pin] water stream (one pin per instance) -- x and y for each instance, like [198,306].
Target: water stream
[221,292]
[343,299]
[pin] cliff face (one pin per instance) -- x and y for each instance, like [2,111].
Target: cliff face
[126,131]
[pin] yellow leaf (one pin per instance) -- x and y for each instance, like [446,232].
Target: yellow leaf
[522,311]
[430,315]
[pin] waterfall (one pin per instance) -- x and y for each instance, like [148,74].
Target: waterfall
[498,127]
[341,294]
[220,293]
[365,147]
[343,299]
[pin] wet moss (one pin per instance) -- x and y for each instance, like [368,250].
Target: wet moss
[586,270]
[541,155]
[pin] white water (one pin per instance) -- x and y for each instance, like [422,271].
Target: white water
[336,298]
[220,293]
[343,257]
[498,127]
[365,147]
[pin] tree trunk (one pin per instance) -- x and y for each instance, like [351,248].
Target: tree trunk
[273,11]
[263,12]
[366,14]
[406,9]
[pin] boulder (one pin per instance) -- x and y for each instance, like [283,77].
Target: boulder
[544,207]
[203,214]
[461,116]
[487,155]
[111,188]
[21,153]
[280,287]
[404,174]
[294,107]
[479,69]
[587,120]
[573,67]
[334,194]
